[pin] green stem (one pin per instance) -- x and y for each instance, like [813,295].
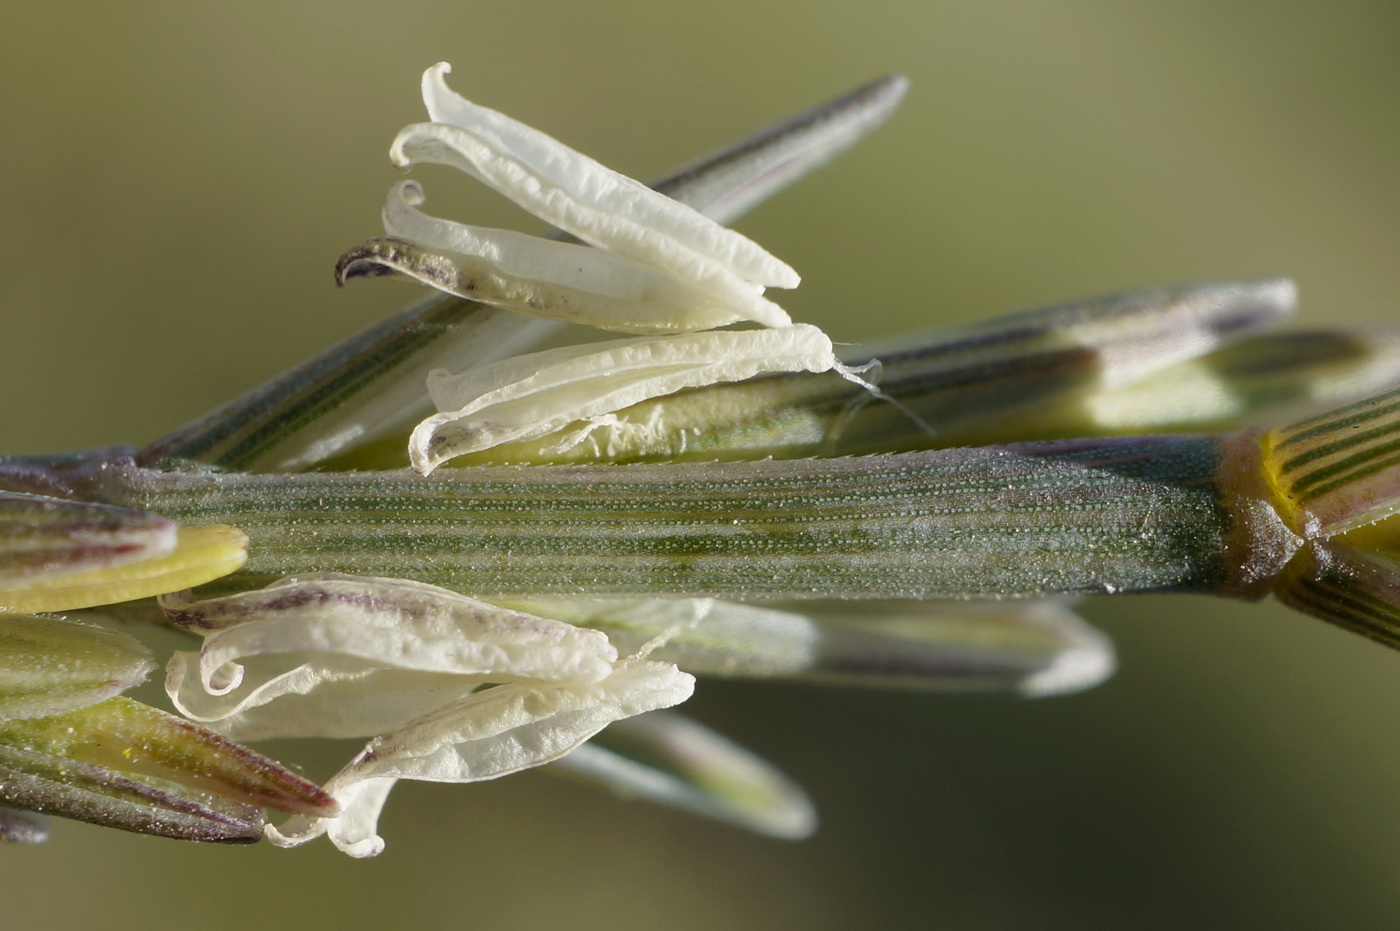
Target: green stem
[1125,515]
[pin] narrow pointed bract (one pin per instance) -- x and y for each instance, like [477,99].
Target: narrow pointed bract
[60,555]
[123,764]
[1260,379]
[83,792]
[1008,521]
[667,758]
[45,537]
[71,745]
[1032,649]
[1052,373]
[1356,589]
[727,184]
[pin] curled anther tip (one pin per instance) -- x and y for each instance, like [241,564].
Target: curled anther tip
[411,192]
[373,258]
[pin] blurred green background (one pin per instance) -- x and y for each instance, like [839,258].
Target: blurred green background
[178,179]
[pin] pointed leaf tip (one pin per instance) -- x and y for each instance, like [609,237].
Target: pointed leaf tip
[727,184]
[126,765]
[670,759]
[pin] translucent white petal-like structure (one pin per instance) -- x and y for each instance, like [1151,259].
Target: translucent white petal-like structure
[538,393]
[343,656]
[576,193]
[491,733]
[544,277]
[456,690]
[607,210]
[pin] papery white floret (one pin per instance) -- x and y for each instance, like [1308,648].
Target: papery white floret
[596,204]
[346,656]
[492,733]
[627,236]
[533,395]
[559,280]
[605,204]
[518,725]
[303,695]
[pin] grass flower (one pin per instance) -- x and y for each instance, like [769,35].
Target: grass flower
[585,528]
[452,689]
[637,227]
[537,394]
